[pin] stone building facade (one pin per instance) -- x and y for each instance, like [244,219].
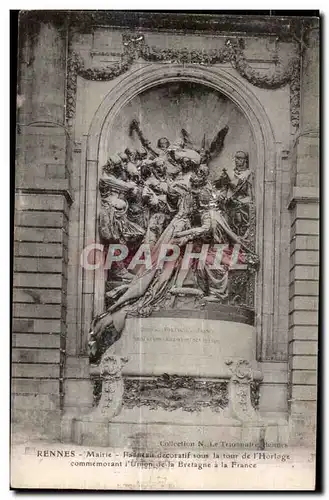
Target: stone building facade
[76,72]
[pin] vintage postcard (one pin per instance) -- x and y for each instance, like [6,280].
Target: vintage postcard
[166,254]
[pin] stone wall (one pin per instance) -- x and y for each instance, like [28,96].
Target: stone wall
[41,229]
[304,251]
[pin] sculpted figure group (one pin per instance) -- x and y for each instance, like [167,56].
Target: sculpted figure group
[163,195]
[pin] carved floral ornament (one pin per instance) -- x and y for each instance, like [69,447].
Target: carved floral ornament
[237,397]
[167,392]
[134,47]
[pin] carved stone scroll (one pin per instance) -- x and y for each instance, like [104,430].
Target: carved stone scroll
[239,389]
[112,386]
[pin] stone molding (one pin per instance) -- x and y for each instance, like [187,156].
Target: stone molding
[303,195]
[38,190]
[285,26]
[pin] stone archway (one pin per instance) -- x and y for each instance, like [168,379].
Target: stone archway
[240,93]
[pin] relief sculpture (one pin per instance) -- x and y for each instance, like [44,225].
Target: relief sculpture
[160,199]
[165,245]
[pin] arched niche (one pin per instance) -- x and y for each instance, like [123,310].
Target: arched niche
[165,109]
[263,160]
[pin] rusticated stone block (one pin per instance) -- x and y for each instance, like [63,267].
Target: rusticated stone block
[38,280]
[48,326]
[300,242]
[42,235]
[43,146]
[23,325]
[304,377]
[35,355]
[77,367]
[35,296]
[28,386]
[274,373]
[304,273]
[37,423]
[34,370]
[45,340]
[303,303]
[38,265]
[303,392]
[273,397]
[91,433]
[26,249]
[302,430]
[303,318]
[79,393]
[305,211]
[36,401]
[299,362]
[309,178]
[306,288]
[303,407]
[41,219]
[299,332]
[56,171]
[305,226]
[303,347]
[305,258]
[42,202]
[37,310]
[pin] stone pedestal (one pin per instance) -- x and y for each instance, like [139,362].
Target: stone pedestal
[167,376]
[187,346]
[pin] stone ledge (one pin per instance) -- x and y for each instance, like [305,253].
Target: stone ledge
[42,186]
[123,434]
[205,22]
[304,195]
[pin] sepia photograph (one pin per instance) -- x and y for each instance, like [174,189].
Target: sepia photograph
[166,250]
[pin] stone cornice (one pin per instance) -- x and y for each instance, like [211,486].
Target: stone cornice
[239,22]
[190,21]
[40,186]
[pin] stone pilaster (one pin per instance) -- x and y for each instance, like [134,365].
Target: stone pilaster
[41,225]
[304,251]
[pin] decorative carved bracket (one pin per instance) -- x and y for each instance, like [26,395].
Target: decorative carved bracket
[134,47]
[110,371]
[239,389]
